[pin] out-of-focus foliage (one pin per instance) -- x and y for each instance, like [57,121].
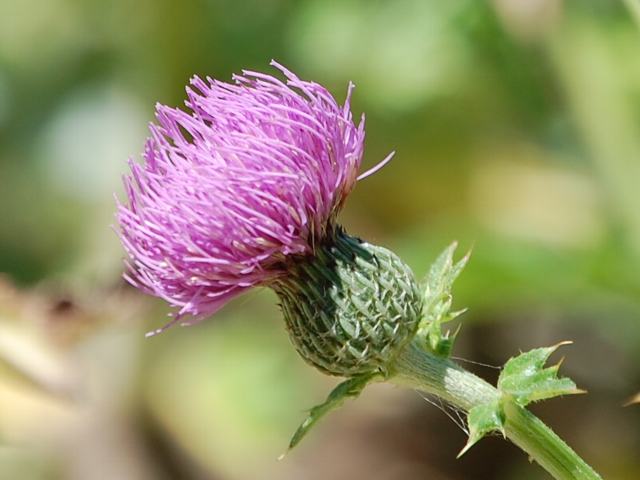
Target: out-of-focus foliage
[517,130]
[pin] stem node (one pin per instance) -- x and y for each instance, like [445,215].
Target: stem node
[417,368]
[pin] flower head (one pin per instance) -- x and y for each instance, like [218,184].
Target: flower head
[251,173]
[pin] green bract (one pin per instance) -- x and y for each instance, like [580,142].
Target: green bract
[351,307]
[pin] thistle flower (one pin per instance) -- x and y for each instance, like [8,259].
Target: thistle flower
[255,172]
[243,190]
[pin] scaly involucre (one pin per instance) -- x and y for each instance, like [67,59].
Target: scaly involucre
[252,172]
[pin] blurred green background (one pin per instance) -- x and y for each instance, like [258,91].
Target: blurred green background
[517,130]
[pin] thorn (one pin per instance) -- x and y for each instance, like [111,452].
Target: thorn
[465,259]
[466,448]
[455,332]
[457,313]
[461,453]
[561,344]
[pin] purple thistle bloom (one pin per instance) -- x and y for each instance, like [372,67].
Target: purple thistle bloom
[255,171]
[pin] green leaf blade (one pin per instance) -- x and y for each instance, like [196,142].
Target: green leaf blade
[482,420]
[438,301]
[350,388]
[525,379]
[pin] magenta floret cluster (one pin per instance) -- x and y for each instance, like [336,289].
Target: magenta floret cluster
[250,172]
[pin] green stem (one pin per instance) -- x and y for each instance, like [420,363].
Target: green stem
[417,368]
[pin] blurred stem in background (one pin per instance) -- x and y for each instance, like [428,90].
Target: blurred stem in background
[634,9]
[588,63]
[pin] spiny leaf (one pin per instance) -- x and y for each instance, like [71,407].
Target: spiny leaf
[350,388]
[443,271]
[483,419]
[438,299]
[526,380]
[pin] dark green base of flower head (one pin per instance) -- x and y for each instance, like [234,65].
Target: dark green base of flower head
[351,307]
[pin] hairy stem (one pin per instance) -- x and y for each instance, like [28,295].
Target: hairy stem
[419,369]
